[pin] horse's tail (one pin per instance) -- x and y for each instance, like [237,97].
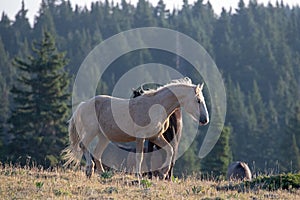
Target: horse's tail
[73,153]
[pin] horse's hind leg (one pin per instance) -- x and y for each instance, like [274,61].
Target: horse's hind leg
[100,147]
[164,144]
[89,167]
[85,142]
[149,165]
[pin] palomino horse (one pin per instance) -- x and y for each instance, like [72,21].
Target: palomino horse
[126,160]
[127,120]
[172,134]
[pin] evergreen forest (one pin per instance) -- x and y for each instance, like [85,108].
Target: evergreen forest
[256,47]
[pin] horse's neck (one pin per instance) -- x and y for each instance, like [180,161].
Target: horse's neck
[172,97]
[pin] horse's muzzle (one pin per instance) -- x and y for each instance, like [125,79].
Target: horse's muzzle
[203,120]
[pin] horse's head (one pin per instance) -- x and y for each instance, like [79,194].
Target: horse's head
[136,92]
[144,87]
[197,106]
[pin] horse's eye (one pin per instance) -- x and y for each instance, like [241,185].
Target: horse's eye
[198,100]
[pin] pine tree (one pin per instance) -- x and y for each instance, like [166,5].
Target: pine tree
[222,42]
[126,15]
[63,18]
[290,144]
[5,83]
[189,162]
[45,21]
[5,66]
[237,117]
[3,110]
[38,121]
[161,14]
[143,16]
[217,161]
[7,32]
[21,25]
[257,148]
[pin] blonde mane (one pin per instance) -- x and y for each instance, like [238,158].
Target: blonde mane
[182,81]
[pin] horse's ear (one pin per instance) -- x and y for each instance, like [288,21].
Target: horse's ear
[199,87]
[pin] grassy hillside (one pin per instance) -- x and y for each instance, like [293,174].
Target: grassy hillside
[35,183]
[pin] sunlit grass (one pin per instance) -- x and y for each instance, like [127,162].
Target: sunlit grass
[38,183]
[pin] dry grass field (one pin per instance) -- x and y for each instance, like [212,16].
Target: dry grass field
[35,183]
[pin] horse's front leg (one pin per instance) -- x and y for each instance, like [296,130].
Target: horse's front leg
[139,155]
[164,144]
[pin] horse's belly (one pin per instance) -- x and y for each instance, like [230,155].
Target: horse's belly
[120,137]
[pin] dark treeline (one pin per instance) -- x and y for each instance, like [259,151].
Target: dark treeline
[256,47]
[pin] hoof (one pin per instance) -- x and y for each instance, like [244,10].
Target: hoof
[89,171]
